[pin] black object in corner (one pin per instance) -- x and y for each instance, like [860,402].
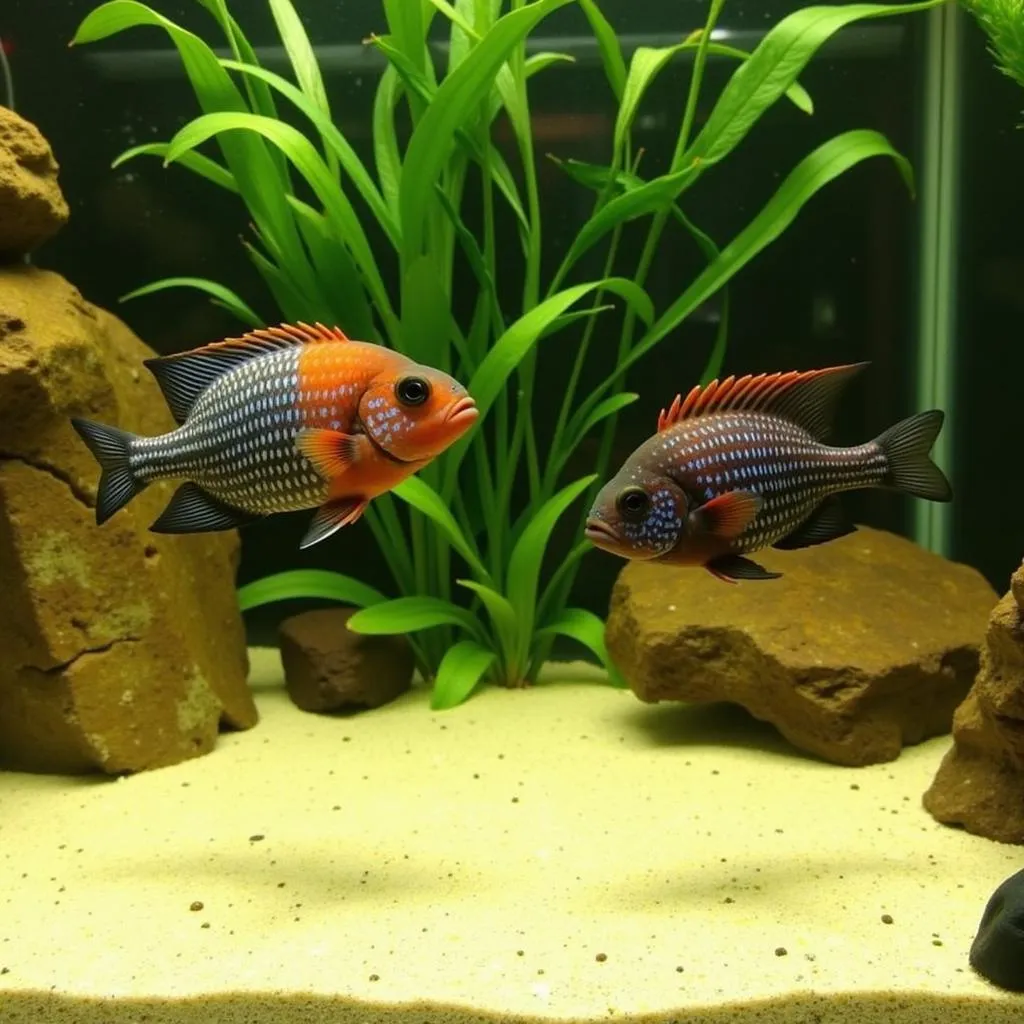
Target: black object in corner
[997,952]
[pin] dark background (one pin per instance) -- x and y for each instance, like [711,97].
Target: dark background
[839,285]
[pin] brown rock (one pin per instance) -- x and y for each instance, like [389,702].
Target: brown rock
[329,668]
[121,649]
[865,644]
[980,783]
[32,207]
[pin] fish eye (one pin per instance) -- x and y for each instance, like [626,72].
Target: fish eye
[412,390]
[633,503]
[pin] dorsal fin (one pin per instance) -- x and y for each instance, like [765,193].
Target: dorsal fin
[804,397]
[184,376]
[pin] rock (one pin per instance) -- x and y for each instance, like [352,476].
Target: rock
[865,644]
[32,207]
[329,668]
[997,952]
[980,783]
[121,650]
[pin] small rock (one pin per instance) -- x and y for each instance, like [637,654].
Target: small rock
[980,783]
[32,207]
[329,668]
[997,952]
[865,644]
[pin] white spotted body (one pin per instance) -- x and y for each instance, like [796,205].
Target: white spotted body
[282,419]
[238,442]
[744,464]
[771,457]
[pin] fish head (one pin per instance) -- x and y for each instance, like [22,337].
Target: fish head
[638,514]
[414,412]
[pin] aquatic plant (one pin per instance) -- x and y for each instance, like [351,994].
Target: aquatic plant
[319,262]
[1003,22]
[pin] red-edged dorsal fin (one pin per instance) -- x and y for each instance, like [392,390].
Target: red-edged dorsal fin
[804,397]
[184,376]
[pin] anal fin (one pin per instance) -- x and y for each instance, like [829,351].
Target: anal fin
[331,517]
[827,522]
[193,510]
[731,568]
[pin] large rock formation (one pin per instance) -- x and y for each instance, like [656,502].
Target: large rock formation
[865,644]
[119,650]
[32,207]
[980,783]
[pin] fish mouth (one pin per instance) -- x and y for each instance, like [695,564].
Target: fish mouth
[598,532]
[463,412]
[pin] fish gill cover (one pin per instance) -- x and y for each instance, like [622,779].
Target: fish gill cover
[455,521]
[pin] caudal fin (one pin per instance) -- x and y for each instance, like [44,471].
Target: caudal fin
[112,448]
[907,447]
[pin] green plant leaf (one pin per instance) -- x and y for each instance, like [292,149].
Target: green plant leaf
[772,68]
[503,616]
[333,262]
[520,337]
[196,162]
[334,142]
[256,173]
[422,497]
[300,53]
[307,584]
[644,66]
[586,628]
[386,154]
[608,407]
[462,668]
[455,17]
[608,45]
[303,155]
[527,555]
[410,615]
[221,295]
[650,197]
[816,170]
[458,95]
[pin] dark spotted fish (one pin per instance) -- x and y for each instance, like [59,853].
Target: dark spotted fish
[742,464]
[288,418]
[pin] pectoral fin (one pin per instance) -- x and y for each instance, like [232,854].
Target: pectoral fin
[331,517]
[330,451]
[731,568]
[727,515]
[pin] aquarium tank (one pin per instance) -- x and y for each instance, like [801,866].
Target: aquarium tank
[580,398]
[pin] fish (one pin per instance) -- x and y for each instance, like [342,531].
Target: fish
[281,419]
[743,464]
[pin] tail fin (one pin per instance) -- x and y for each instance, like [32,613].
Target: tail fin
[907,446]
[112,448]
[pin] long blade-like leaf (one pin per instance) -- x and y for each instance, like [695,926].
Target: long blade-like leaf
[503,615]
[608,45]
[196,162]
[586,628]
[410,615]
[524,563]
[816,170]
[772,68]
[461,669]
[221,295]
[458,95]
[307,584]
[334,141]
[425,499]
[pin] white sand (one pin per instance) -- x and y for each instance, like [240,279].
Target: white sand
[472,864]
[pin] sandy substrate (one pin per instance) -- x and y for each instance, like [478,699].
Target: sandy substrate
[560,853]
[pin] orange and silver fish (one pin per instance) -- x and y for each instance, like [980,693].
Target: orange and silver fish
[742,464]
[282,419]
